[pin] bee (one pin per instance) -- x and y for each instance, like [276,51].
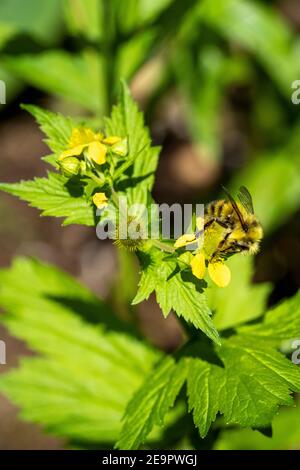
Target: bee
[242,232]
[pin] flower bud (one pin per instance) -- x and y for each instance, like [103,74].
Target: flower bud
[70,166]
[120,148]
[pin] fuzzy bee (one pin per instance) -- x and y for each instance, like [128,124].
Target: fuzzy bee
[241,232]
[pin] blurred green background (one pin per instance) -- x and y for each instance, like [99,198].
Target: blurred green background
[215,82]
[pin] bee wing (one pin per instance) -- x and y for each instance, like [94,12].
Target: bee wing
[246,199]
[235,207]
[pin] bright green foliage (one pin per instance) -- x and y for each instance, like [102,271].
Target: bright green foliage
[286,435]
[55,195]
[55,126]
[42,21]
[247,383]
[249,299]
[205,384]
[258,29]
[83,17]
[258,380]
[86,374]
[151,403]
[127,120]
[69,76]
[94,370]
[55,198]
[281,323]
[60,198]
[175,289]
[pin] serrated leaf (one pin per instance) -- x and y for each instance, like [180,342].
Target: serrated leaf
[150,404]
[151,264]
[54,197]
[175,289]
[258,380]
[279,324]
[249,299]
[87,373]
[127,121]
[55,126]
[286,434]
[205,384]
[185,295]
[255,381]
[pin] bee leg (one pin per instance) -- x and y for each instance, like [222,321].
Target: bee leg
[221,244]
[208,224]
[218,221]
[222,224]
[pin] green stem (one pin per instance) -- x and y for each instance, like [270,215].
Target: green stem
[96,179]
[163,246]
[123,168]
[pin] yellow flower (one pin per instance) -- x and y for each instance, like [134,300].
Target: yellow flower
[94,143]
[189,238]
[100,200]
[217,270]
[185,240]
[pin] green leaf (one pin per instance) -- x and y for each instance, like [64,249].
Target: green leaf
[279,324]
[249,299]
[255,381]
[55,197]
[84,17]
[261,30]
[286,434]
[55,126]
[127,121]
[251,382]
[134,14]
[76,78]
[42,21]
[151,402]
[6,32]
[258,380]
[133,53]
[205,384]
[175,289]
[91,370]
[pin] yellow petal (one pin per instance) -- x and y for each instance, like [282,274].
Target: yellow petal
[100,200]
[198,265]
[219,273]
[113,139]
[97,152]
[83,136]
[73,152]
[76,137]
[184,240]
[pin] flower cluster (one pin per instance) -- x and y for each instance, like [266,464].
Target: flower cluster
[85,155]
